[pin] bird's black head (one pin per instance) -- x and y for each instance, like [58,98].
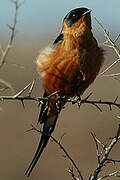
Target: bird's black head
[74,15]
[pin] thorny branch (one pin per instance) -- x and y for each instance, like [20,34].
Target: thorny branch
[5,85]
[70,170]
[65,152]
[111,44]
[102,161]
[5,51]
[114,174]
[77,101]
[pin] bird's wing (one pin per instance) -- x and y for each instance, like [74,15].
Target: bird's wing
[59,39]
[43,112]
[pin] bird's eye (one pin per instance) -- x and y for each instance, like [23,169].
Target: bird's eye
[74,15]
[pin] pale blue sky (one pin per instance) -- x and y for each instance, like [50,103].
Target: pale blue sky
[42,17]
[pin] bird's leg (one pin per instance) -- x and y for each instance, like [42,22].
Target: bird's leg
[60,103]
[77,100]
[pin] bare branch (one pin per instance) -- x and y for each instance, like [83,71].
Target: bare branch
[73,101]
[31,88]
[109,67]
[64,150]
[105,158]
[108,39]
[111,75]
[111,44]
[21,92]
[97,147]
[70,170]
[95,103]
[114,174]
[113,160]
[7,85]
[1,49]
[117,37]
[12,35]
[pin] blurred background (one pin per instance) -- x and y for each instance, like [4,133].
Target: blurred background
[38,25]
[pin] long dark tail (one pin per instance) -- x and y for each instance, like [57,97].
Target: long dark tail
[48,116]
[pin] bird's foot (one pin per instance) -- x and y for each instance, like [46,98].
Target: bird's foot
[77,100]
[60,103]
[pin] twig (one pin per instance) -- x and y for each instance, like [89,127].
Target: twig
[70,170]
[97,143]
[108,39]
[111,44]
[109,67]
[113,160]
[114,174]
[105,158]
[111,75]
[24,89]
[97,147]
[79,101]
[31,88]
[64,150]
[7,85]
[12,35]
[96,103]
[117,37]
[97,140]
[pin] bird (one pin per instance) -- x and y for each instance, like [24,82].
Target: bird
[67,68]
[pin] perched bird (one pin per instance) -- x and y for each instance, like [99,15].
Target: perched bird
[67,68]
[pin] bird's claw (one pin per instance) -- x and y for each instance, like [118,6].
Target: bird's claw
[77,100]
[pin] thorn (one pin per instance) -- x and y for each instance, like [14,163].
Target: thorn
[88,96]
[62,137]
[32,128]
[64,156]
[31,87]
[29,130]
[116,99]
[22,101]
[108,33]
[117,37]
[79,104]
[97,107]
[10,27]
[110,107]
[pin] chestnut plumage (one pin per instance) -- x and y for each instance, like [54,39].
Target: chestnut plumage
[67,68]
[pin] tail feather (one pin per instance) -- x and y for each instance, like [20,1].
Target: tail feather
[43,142]
[48,116]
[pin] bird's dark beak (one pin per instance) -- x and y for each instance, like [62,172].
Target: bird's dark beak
[89,11]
